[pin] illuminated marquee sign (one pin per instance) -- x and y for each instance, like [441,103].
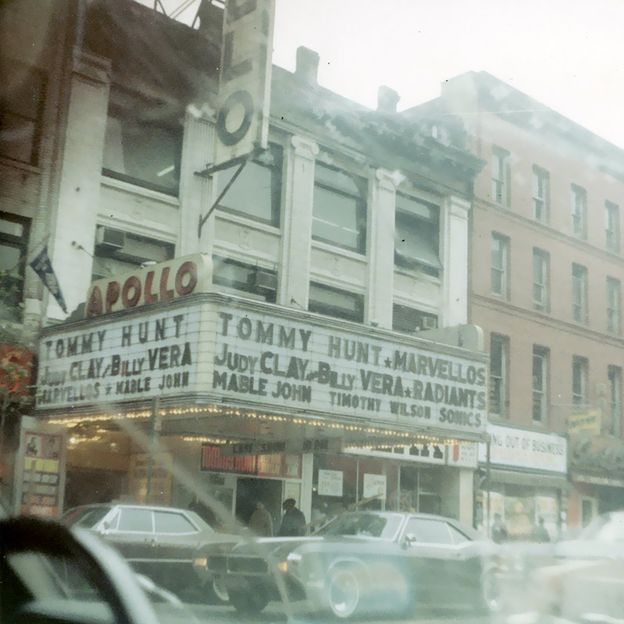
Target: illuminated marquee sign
[159,283]
[245,79]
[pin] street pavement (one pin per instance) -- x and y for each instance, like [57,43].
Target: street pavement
[276,613]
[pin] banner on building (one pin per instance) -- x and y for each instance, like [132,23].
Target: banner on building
[42,266]
[585,421]
[40,469]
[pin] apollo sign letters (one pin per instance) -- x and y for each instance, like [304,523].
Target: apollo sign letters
[159,283]
[245,79]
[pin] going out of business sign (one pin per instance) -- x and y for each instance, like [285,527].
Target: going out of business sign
[245,79]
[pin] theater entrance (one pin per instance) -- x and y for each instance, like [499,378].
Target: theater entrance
[250,490]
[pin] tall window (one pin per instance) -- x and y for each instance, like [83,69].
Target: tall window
[410,320]
[541,194]
[257,191]
[117,251]
[13,245]
[612,226]
[501,175]
[613,305]
[579,211]
[579,293]
[615,399]
[499,347]
[143,146]
[499,265]
[417,234]
[339,215]
[22,96]
[541,279]
[336,302]
[579,381]
[540,384]
[259,282]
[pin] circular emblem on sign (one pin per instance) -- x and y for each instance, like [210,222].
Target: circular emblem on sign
[237,99]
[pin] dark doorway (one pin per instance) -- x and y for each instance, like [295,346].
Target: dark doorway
[267,491]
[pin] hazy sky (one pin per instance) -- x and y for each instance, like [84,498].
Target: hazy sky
[568,54]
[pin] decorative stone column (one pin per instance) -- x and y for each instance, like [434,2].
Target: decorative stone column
[454,254]
[294,274]
[382,206]
[73,218]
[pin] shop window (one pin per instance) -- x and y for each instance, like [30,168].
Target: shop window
[133,519]
[336,303]
[499,353]
[257,191]
[579,381]
[410,320]
[13,249]
[417,236]
[22,95]
[243,277]
[540,384]
[541,194]
[143,143]
[614,375]
[339,214]
[118,252]
[501,177]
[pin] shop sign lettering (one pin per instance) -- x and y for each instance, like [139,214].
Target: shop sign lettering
[278,362]
[133,358]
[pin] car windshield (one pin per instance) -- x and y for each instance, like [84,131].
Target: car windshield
[85,516]
[362,524]
[313,309]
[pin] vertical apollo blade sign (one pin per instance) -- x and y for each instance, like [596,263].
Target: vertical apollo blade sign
[245,79]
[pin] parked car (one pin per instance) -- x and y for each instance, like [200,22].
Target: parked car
[584,580]
[358,563]
[158,542]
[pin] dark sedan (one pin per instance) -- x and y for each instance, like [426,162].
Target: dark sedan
[159,542]
[358,563]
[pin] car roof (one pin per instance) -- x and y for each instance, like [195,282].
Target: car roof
[129,506]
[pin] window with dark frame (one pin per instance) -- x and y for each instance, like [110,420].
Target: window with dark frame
[612,226]
[579,294]
[22,98]
[336,302]
[257,191]
[143,143]
[614,299]
[499,265]
[540,384]
[14,233]
[541,280]
[579,381]
[541,194]
[499,353]
[417,235]
[501,176]
[409,320]
[614,376]
[339,213]
[579,211]
[247,278]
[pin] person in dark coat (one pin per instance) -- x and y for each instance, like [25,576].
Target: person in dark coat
[499,530]
[540,533]
[293,520]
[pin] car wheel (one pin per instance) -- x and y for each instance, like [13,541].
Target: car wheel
[344,591]
[217,593]
[250,602]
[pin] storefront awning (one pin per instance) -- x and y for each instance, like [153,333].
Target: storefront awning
[532,479]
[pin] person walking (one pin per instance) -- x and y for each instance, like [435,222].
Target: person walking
[293,520]
[260,521]
[499,530]
[540,534]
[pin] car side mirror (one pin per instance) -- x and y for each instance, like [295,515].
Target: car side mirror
[409,539]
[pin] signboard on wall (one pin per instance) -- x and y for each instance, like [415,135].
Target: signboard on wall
[374,486]
[291,364]
[285,465]
[586,421]
[518,448]
[244,79]
[40,469]
[154,355]
[330,482]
